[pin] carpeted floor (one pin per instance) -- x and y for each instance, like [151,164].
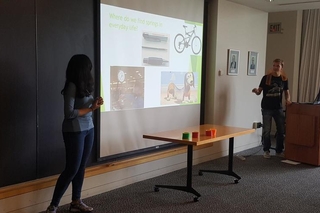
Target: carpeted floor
[266,185]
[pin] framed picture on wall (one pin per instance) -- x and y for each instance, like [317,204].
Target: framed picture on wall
[252,63]
[233,62]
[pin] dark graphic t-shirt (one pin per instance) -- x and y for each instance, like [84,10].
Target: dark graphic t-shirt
[272,94]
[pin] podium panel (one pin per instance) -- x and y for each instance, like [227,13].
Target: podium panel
[302,133]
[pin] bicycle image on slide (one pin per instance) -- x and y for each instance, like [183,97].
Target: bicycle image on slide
[183,41]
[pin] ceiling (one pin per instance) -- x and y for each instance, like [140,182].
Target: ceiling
[280,5]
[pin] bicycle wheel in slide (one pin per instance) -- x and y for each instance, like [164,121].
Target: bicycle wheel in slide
[179,43]
[196,45]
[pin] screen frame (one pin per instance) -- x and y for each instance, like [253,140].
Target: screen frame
[97,77]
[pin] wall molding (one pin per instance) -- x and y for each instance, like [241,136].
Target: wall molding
[34,185]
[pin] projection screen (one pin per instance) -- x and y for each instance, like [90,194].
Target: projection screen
[150,71]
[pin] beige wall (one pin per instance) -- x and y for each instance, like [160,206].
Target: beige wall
[229,100]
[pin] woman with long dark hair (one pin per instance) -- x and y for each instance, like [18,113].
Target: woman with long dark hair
[77,130]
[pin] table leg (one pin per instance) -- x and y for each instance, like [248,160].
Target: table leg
[188,187]
[230,164]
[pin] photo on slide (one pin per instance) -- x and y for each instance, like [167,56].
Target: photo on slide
[179,88]
[155,49]
[126,88]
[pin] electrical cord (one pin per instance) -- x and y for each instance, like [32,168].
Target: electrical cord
[243,157]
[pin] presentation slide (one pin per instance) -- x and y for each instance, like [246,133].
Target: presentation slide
[150,76]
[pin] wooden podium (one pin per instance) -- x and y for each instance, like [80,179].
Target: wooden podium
[302,133]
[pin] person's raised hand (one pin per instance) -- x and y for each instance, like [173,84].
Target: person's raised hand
[100,101]
[97,103]
[255,90]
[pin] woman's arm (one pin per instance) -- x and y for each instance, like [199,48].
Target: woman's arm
[95,105]
[69,100]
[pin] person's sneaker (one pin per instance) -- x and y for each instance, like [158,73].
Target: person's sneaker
[280,155]
[79,206]
[51,209]
[266,154]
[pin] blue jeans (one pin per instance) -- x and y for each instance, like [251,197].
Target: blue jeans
[78,147]
[279,119]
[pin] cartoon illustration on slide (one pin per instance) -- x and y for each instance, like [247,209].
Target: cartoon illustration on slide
[126,88]
[181,90]
[155,49]
[183,41]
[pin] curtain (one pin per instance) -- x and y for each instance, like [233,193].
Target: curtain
[309,74]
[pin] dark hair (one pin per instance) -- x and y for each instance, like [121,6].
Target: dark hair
[79,73]
[278,60]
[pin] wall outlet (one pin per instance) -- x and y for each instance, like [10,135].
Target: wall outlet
[256,125]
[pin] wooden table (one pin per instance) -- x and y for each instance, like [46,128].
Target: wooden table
[222,133]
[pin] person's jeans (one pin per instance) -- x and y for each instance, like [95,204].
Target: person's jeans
[279,118]
[78,147]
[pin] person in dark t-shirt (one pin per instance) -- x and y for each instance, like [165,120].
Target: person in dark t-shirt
[273,86]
